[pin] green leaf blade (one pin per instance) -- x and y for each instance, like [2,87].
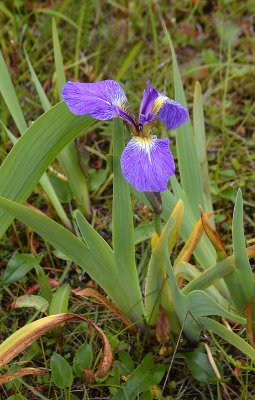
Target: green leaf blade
[59,302]
[61,371]
[123,231]
[242,263]
[68,157]
[186,151]
[34,152]
[10,97]
[18,266]
[229,336]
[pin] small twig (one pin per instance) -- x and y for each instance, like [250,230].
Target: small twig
[225,322]
[214,367]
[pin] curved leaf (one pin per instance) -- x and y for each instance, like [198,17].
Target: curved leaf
[229,336]
[34,152]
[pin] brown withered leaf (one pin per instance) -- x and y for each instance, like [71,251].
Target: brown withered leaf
[213,237]
[21,372]
[25,336]
[249,324]
[89,376]
[88,292]
[251,251]
[162,326]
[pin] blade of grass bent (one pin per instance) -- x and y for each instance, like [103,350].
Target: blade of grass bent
[123,230]
[93,240]
[8,92]
[201,304]
[226,334]
[34,151]
[101,269]
[68,157]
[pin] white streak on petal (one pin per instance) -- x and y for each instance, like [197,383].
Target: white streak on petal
[147,163]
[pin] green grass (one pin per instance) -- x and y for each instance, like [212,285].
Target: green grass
[124,40]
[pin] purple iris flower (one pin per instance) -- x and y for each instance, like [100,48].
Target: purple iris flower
[146,162]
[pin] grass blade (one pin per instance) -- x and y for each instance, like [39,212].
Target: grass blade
[126,63]
[186,151]
[61,78]
[10,97]
[43,98]
[68,157]
[200,143]
[243,277]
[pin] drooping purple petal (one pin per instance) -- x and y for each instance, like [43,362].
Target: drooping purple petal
[128,116]
[147,163]
[98,99]
[171,113]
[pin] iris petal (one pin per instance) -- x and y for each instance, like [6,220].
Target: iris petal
[149,97]
[98,99]
[171,113]
[147,163]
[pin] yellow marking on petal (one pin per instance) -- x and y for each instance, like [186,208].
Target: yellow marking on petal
[145,140]
[159,102]
[146,143]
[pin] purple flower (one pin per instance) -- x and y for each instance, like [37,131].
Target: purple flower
[146,162]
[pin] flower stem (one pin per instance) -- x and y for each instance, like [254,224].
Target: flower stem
[157,221]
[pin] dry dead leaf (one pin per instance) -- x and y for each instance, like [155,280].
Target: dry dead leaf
[88,292]
[21,372]
[162,326]
[25,336]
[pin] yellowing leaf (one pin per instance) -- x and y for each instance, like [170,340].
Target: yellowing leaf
[154,240]
[213,236]
[24,337]
[177,214]
[192,242]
